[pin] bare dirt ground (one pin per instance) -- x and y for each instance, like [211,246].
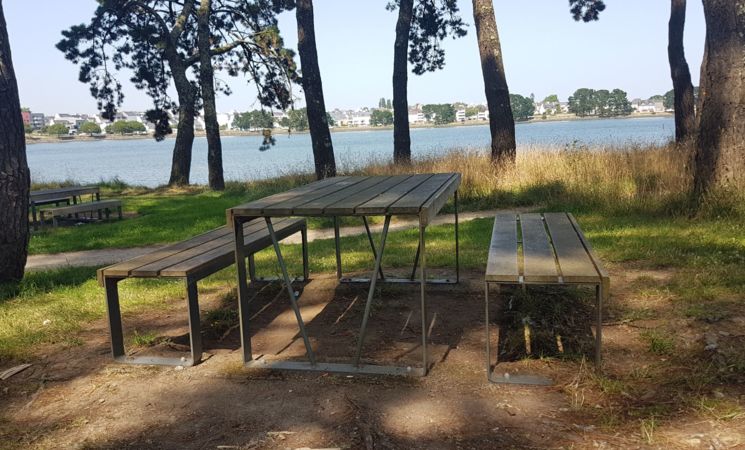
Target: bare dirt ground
[76,397]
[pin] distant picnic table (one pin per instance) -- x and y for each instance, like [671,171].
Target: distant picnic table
[57,196]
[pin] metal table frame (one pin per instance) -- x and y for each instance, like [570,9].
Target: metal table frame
[356,367]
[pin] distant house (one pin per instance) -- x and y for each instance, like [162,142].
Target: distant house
[26,116]
[647,106]
[416,115]
[71,121]
[135,116]
[483,115]
[225,120]
[460,115]
[360,118]
[341,118]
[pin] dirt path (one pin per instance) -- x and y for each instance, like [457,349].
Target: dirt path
[93,258]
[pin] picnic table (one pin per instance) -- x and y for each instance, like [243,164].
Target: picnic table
[59,195]
[419,195]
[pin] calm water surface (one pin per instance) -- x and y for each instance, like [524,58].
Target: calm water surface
[146,162]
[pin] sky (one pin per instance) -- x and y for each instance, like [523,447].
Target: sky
[545,52]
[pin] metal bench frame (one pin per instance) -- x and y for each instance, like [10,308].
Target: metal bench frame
[56,212]
[601,291]
[110,284]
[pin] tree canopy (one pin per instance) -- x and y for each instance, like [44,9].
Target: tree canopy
[603,103]
[89,128]
[253,119]
[523,108]
[381,117]
[57,129]
[125,127]
[439,113]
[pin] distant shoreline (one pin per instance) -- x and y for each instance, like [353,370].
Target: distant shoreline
[44,139]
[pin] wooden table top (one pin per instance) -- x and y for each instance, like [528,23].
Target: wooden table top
[420,194]
[45,194]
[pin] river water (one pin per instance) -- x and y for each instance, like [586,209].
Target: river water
[146,162]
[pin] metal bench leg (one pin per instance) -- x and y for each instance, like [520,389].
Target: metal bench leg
[55,221]
[304,237]
[119,210]
[106,211]
[457,240]
[115,317]
[338,249]
[195,334]
[33,215]
[599,325]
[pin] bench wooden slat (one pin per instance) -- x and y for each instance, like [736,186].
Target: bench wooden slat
[223,255]
[349,204]
[539,264]
[574,261]
[257,206]
[412,202]
[321,203]
[82,207]
[154,269]
[123,269]
[381,203]
[288,207]
[595,260]
[44,194]
[502,264]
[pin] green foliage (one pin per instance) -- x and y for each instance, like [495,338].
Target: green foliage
[603,103]
[432,21]
[441,113]
[251,120]
[56,129]
[553,98]
[668,100]
[125,127]
[330,120]
[381,117]
[474,110]
[89,128]
[297,119]
[523,108]
[27,128]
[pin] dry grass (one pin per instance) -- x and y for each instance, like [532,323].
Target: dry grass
[612,179]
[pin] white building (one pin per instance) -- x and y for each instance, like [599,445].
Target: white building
[416,115]
[460,115]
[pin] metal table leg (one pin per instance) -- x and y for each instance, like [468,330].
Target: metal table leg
[371,292]
[291,292]
[372,245]
[599,325]
[240,265]
[423,286]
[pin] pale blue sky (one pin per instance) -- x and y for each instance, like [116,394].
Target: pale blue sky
[545,52]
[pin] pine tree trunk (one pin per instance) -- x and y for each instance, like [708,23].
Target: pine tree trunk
[685,117]
[323,150]
[207,83]
[181,164]
[14,173]
[501,122]
[401,136]
[720,149]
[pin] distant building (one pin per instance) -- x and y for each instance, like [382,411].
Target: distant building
[36,120]
[647,106]
[416,115]
[360,119]
[26,115]
[460,115]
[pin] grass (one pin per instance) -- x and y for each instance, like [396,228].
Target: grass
[632,205]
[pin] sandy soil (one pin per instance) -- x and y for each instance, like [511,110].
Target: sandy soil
[76,397]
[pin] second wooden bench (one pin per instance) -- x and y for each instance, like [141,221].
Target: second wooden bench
[191,261]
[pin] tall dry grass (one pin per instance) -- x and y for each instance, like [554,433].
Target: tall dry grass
[633,179]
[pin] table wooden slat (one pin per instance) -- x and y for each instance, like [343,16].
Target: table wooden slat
[539,264]
[574,261]
[381,203]
[319,205]
[348,205]
[49,194]
[256,207]
[288,207]
[435,203]
[412,202]
[502,264]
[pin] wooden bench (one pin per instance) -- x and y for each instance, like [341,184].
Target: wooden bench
[60,195]
[190,260]
[104,205]
[541,249]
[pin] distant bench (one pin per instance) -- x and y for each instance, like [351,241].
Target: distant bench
[57,196]
[190,260]
[61,211]
[545,248]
